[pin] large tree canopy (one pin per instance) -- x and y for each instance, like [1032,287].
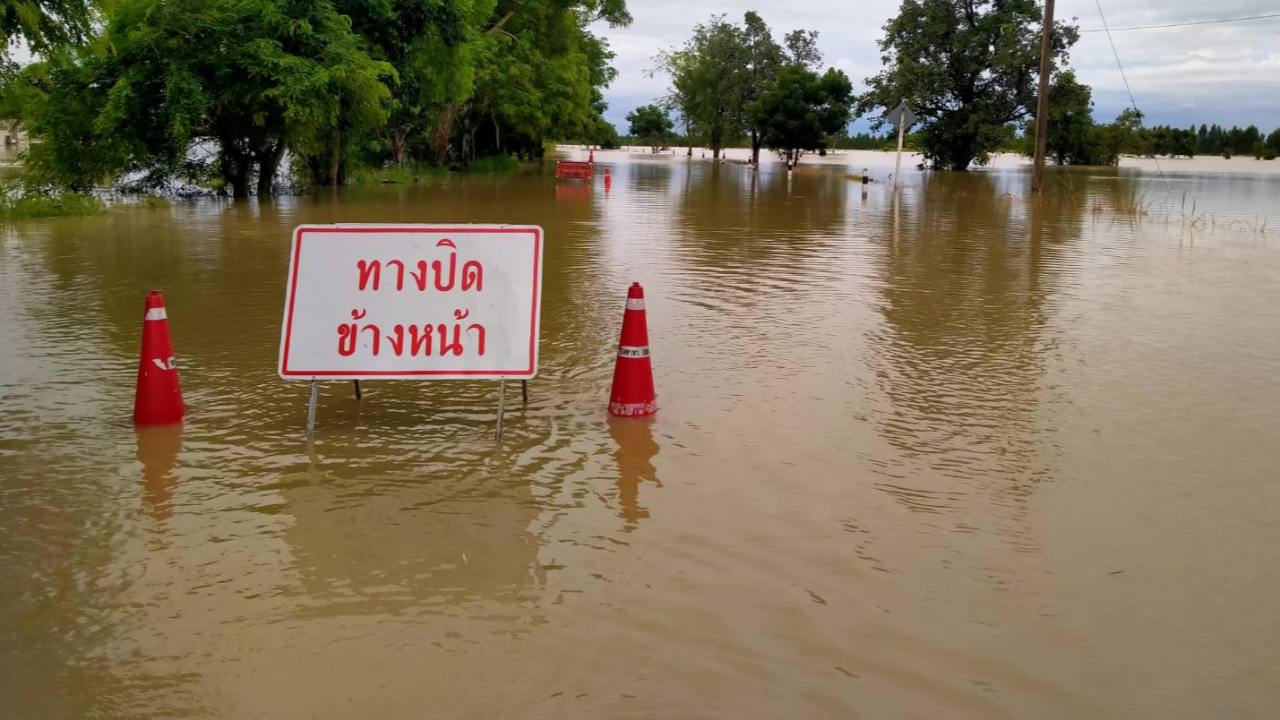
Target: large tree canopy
[968,68]
[175,88]
[257,75]
[650,125]
[723,69]
[802,110]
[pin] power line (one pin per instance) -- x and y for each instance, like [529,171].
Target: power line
[1129,90]
[1182,24]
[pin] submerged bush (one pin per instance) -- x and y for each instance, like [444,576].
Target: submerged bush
[494,164]
[409,174]
[18,203]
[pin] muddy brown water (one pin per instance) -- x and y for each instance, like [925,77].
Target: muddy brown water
[956,456]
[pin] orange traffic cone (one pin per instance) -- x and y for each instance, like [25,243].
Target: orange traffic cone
[607,180]
[632,394]
[158,400]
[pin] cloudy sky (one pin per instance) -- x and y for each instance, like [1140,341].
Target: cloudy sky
[1227,73]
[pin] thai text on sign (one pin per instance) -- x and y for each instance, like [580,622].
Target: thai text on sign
[412,302]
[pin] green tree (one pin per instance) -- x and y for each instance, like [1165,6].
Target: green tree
[967,69]
[1273,140]
[715,80]
[45,24]
[802,110]
[802,49]
[650,125]
[431,46]
[260,75]
[538,73]
[1069,140]
[763,57]
[679,66]
[20,91]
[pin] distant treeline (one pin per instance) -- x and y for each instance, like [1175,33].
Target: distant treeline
[860,141]
[1208,140]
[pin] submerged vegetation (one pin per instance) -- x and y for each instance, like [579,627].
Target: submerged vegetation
[20,203]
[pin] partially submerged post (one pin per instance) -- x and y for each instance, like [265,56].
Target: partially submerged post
[1042,103]
[900,117]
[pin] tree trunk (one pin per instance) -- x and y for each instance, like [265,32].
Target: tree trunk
[240,182]
[335,160]
[444,128]
[688,136]
[755,148]
[268,164]
[236,167]
[715,144]
[497,134]
[397,148]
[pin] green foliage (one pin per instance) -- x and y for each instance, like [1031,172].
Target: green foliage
[20,203]
[966,69]
[802,49]
[764,58]
[539,72]
[408,174]
[678,65]
[723,70]
[260,74]
[650,126]
[45,24]
[864,141]
[801,110]
[491,164]
[216,91]
[714,80]
[1069,138]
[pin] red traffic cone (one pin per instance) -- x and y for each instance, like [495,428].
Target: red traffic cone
[632,394]
[607,180]
[158,400]
[591,157]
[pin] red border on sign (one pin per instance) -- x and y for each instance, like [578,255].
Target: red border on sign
[533,315]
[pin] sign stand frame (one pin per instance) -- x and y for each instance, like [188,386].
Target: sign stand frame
[311,407]
[331,256]
[502,403]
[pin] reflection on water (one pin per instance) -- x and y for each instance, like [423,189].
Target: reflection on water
[636,449]
[948,453]
[158,448]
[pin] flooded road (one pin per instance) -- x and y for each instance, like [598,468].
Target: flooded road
[955,456]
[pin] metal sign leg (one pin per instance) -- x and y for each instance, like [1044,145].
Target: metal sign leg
[358,395]
[502,404]
[311,407]
[524,390]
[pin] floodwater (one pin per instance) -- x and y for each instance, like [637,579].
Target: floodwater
[954,456]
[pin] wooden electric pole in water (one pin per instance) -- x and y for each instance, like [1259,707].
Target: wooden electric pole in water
[1042,103]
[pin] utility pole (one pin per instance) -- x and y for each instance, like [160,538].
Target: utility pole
[1042,103]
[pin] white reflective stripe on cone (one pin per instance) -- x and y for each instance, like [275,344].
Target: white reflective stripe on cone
[635,303]
[156,314]
[627,351]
